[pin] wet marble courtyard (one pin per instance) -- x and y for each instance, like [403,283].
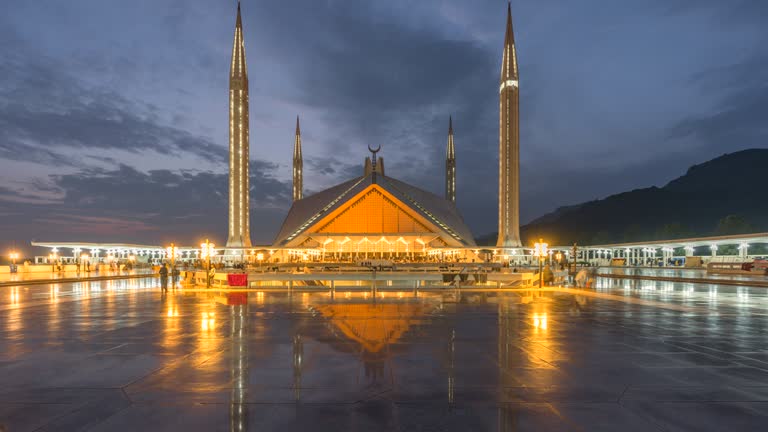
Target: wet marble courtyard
[624,356]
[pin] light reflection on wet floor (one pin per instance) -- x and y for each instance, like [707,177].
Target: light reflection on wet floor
[627,355]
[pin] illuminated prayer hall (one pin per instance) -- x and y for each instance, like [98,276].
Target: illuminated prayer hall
[374,216]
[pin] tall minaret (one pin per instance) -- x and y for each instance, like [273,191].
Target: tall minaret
[450,165]
[509,144]
[239,231]
[298,165]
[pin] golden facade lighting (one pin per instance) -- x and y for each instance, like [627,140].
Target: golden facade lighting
[239,214]
[509,144]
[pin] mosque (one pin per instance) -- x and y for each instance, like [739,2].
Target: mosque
[369,216]
[375,215]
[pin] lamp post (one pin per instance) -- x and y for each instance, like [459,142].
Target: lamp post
[540,251]
[259,257]
[172,252]
[14,256]
[52,259]
[84,262]
[207,250]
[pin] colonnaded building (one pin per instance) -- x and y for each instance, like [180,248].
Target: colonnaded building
[370,216]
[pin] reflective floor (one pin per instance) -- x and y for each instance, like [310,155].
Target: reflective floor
[625,356]
[683,273]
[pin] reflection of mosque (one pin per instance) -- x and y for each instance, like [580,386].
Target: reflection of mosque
[374,330]
[373,327]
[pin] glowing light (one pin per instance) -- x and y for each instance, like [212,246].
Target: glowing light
[540,250]
[540,320]
[508,83]
[208,321]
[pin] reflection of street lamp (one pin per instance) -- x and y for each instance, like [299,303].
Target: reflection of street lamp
[540,251]
[207,250]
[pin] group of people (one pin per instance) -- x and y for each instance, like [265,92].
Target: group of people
[164,273]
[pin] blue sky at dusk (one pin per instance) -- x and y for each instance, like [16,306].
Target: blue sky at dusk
[113,114]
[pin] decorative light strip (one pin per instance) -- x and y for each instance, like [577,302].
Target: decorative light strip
[508,83]
[311,220]
[442,225]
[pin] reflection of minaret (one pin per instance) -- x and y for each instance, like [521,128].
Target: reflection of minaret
[509,144]
[507,338]
[450,165]
[298,354]
[238,411]
[452,368]
[298,165]
[239,230]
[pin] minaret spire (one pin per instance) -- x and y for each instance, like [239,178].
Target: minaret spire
[239,202]
[298,165]
[509,143]
[450,165]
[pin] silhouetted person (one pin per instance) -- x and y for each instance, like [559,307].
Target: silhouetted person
[175,276]
[164,278]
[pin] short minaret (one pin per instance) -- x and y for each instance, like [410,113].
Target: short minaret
[298,165]
[509,144]
[450,165]
[239,215]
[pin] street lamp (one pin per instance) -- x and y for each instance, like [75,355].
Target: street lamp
[172,252]
[14,256]
[259,257]
[52,257]
[207,250]
[540,251]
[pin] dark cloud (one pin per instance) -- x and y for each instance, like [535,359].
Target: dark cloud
[380,79]
[731,12]
[738,121]
[46,115]
[129,205]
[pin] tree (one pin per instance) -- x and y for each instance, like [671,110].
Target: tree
[674,230]
[733,224]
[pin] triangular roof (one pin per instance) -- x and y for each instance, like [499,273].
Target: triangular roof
[373,325]
[441,213]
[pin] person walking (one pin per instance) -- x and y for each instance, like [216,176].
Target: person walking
[175,276]
[164,278]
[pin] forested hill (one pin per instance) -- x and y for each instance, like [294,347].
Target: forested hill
[727,195]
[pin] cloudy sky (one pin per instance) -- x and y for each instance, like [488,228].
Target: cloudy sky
[113,114]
